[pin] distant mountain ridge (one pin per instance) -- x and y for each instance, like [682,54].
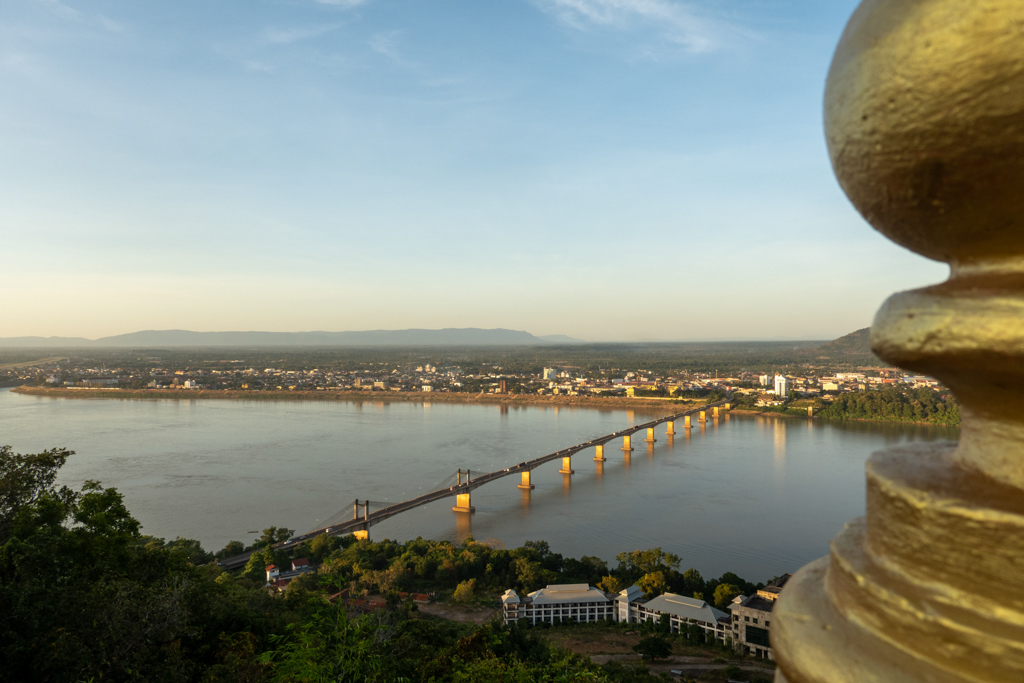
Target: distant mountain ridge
[469,336]
[856,343]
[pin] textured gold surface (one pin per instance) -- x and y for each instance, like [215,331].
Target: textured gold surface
[924,116]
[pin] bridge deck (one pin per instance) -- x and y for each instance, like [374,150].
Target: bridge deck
[380,515]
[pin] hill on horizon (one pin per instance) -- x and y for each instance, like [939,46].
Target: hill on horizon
[857,342]
[469,336]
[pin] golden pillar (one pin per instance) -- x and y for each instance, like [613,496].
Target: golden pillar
[650,435]
[670,428]
[526,484]
[703,417]
[686,422]
[566,465]
[462,503]
[625,444]
[924,117]
[599,453]
[715,411]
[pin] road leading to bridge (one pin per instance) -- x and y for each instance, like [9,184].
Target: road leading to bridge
[363,523]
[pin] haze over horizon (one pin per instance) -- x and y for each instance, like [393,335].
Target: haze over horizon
[610,170]
[395,338]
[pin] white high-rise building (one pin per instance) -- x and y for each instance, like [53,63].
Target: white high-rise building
[781,386]
[763,380]
[549,373]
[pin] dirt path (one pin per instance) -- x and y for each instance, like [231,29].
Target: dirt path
[467,614]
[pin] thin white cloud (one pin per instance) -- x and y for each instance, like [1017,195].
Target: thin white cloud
[65,11]
[386,43]
[61,10]
[674,22]
[346,4]
[294,35]
[255,65]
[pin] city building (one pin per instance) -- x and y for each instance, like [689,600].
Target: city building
[684,611]
[751,619]
[564,602]
[781,386]
[624,603]
[549,374]
[763,380]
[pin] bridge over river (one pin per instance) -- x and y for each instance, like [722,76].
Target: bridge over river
[362,519]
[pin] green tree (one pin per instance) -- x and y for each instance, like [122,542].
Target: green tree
[327,646]
[465,591]
[639,562]
[611,584]
[231,549]
[653,647]
[724,594]
[26,479]
[653,584]
[274,535]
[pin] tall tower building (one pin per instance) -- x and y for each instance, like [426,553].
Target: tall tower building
[781,386]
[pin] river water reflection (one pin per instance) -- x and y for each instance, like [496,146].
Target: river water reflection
[757,496]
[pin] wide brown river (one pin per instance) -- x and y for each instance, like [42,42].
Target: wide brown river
[756,496]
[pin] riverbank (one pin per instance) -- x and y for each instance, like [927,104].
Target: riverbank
[644,404]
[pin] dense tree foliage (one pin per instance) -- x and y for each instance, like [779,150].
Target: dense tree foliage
[86,597]
[894,404]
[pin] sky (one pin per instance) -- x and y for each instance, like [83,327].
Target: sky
[612,170]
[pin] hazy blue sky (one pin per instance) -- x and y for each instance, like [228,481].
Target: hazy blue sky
[607,169]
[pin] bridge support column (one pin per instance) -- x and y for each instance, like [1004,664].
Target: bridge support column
[715,413]
[625,444]
[526,485]
[599,453]
[650,435]
[566,465]
[670,428]
[810,411]
[361,534]
[686,422]
[462,503]
[703,417]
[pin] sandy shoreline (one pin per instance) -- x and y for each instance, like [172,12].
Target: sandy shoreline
[618,402]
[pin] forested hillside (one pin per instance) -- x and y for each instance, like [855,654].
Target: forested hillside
[894,404]
[86,597]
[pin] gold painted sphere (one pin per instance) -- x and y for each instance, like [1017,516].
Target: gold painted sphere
[924,117]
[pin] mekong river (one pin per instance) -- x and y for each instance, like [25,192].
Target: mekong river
[756,496]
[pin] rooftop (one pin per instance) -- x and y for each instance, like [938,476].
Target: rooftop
[687,608]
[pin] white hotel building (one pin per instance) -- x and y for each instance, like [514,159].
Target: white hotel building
[580,603]
[567,602]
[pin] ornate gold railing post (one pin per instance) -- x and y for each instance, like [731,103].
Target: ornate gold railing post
[924,115]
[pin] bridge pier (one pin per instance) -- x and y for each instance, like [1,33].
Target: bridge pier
[686,423]
[566,465]
[650,435]
[703,417]
[670,428]
[462,503]
[526,485]
[599,453]
[625,444]
[363,533]
[715,412]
